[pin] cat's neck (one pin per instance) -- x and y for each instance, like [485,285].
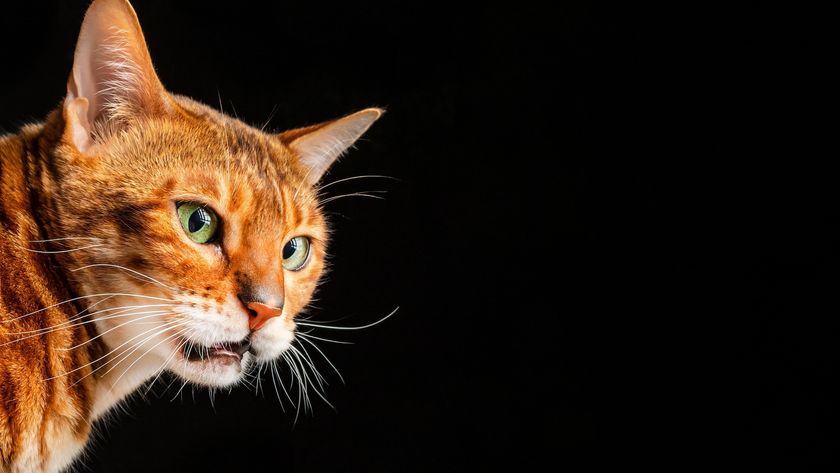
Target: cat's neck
[42,181]
[116,385]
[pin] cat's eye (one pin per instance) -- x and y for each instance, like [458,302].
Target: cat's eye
[199,222]
[296,253]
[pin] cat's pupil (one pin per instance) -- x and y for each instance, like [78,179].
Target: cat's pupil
[289,249]
[198,220]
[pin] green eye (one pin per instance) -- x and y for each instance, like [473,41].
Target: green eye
[199,222]
[296,253]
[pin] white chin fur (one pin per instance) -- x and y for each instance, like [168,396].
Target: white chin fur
[212,373]
[267,344]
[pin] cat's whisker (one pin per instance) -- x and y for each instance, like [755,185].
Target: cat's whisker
[303,383]
[170,337]
[171,382]
[87,297]
[80,315]
[72,321]
[307,379]
[53,252]
[303,356]
[275,374]
[260,367]
[165,364]
[144,316]
[244,380]
[301,388]
[64,326]
[90,306]
[334,327]
[178,393]
[309,335]
[365,176]
[124,356]
[316,372]
[353,194]
[110,352]
[49,240]
[134,306]
[325,358]
[158,329]
[132,271]
[311,362]
[256,377]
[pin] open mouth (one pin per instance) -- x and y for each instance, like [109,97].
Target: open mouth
[225,351]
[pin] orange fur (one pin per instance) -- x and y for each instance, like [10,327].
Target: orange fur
[87,207]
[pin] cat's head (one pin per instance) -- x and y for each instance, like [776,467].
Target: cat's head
[194,238]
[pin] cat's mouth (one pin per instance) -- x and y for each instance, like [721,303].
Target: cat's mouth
[221,352]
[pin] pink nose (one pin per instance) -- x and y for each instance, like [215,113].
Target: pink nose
[261,313]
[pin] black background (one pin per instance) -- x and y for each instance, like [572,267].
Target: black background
[611,240]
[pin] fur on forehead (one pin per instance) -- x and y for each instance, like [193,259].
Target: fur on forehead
[201,154]
[199,142]
[198,137]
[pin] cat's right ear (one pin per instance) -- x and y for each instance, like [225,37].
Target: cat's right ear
[113,80]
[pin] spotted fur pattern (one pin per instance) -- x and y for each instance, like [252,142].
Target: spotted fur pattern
[100,288]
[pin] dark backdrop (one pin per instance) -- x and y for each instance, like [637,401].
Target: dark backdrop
[596,258]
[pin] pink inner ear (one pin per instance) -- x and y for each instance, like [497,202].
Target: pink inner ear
[112,68]
[76,116]
[320,148]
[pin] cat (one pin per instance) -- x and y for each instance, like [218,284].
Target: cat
[141,232]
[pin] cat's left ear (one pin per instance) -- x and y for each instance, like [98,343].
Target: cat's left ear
[113,81]
[318,146]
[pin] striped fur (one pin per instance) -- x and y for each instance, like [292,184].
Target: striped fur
[88,229]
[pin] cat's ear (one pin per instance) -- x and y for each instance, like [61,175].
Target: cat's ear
[113,80]
[320,145]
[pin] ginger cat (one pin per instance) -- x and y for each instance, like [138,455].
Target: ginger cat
[142,232]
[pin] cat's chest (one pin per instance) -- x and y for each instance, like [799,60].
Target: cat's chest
[65,447]
[50,450]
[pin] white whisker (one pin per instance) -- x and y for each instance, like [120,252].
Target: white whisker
[116,266]
[136,360]
[325,357]
[58,327]
[309,335]
[64,239]
[52,252]
[87,297]
[366,176]
[354,194]
[145,315]
[307,324]
[108,354]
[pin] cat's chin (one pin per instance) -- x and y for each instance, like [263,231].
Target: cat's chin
[221,366]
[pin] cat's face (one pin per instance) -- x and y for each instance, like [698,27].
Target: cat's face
[200,214]
[204,236]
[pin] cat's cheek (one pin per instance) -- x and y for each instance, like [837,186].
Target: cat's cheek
[274,338]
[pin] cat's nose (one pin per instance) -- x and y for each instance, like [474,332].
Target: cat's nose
[261,313]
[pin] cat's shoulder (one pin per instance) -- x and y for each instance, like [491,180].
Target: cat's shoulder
[10,147]
[8,142]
